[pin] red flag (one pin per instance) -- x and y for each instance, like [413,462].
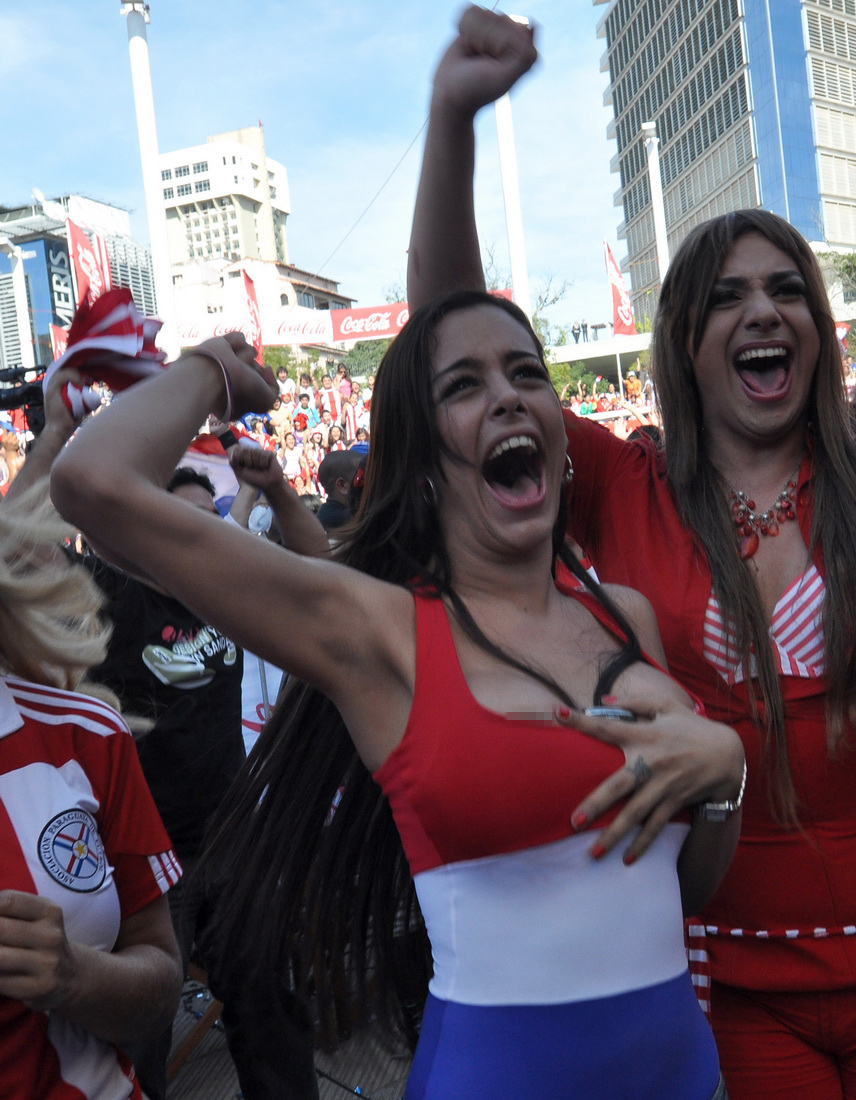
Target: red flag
[622,309]
[253,330]
[59,340]
[92,280]
[99,246]
[110,341]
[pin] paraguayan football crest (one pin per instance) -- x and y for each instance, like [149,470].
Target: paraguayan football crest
[71,851]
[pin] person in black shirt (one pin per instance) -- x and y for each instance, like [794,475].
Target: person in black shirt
[336,473]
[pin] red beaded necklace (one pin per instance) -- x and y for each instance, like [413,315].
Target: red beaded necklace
[750,526]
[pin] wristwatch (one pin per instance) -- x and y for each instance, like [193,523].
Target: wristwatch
[719,811]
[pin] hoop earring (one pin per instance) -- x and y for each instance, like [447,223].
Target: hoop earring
[429,492]
[568,475]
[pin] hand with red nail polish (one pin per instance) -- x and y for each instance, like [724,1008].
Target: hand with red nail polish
[673,757]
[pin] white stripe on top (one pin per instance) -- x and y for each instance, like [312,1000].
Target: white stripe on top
[796,633]
[551,925]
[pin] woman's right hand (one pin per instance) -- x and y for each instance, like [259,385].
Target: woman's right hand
[487,58]
[253,386]
[674,758]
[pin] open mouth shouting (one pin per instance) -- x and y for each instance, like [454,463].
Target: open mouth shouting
[764,370]
[515,473]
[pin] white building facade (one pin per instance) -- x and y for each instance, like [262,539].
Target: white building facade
[226,205]
[226,200]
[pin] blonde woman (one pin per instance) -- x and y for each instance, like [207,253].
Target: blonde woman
[88,960]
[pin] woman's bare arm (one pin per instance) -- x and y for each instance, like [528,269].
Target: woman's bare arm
[489,55]
[109,482]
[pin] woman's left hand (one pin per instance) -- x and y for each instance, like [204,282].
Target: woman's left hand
[674,758]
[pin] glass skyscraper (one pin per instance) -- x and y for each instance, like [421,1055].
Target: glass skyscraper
[755,105]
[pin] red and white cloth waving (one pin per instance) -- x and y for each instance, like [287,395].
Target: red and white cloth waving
[109,341]
[59,340]
[622,307]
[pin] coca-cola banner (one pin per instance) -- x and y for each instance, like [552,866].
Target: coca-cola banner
[622,309]
[99,246]
[304,326]
[89,267]
[369,324]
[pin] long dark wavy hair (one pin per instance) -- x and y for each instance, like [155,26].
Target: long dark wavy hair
[305,867]
[701,493]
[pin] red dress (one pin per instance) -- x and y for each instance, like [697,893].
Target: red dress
[782,880]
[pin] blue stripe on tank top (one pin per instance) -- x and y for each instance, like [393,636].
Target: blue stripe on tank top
[651,1044]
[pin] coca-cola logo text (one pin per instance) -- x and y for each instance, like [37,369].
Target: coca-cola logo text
[375,322]
[91,269]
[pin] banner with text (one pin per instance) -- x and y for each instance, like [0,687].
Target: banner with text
[622,308]
[91,264]
[304,326]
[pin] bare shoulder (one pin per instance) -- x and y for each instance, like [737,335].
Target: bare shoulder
[641,616]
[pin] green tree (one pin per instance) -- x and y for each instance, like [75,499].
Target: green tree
[548,295]
[363,357]
[495,277]
[840,268]
[282,356]
[395,292]
[570,375]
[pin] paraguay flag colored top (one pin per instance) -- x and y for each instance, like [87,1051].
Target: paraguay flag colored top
[554,974]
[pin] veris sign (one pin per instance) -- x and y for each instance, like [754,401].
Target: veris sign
[59,281]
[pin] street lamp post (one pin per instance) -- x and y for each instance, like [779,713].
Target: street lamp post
[652,148]
[511,198]
[136,13]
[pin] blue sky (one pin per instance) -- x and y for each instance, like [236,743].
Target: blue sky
[342,90]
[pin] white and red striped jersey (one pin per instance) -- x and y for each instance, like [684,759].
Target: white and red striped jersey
[79,827]
[329,401]
[349,421]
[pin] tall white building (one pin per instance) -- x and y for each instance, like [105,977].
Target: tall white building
[755,106]
[226,200]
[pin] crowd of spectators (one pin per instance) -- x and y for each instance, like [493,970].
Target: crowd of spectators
[624,414]
[619,412]
[308,422]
